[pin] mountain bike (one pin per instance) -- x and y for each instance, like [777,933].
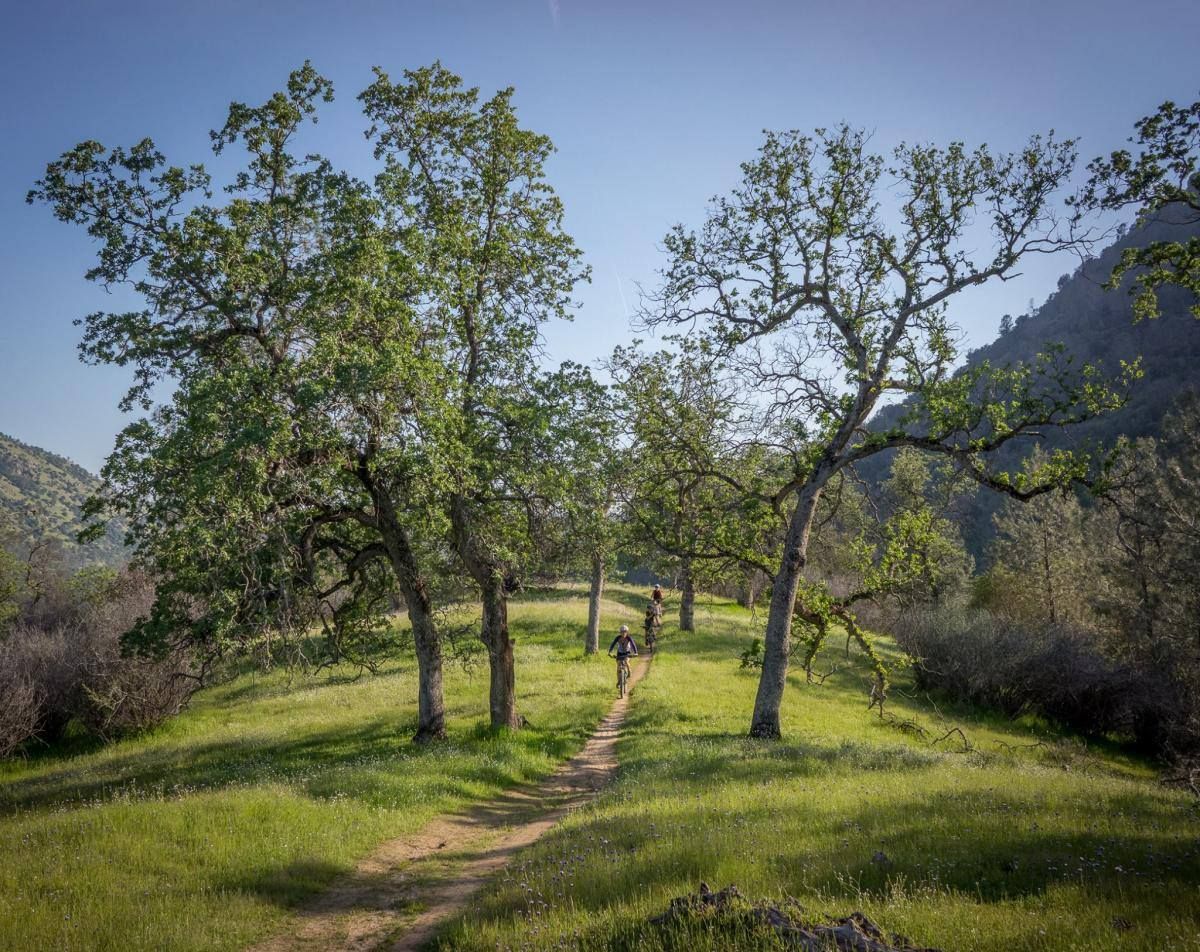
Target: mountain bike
[622,676]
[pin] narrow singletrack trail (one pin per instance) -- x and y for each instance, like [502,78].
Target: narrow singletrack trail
[399,896]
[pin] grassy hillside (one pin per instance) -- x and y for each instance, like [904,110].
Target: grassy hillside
[40,497]
[205,834]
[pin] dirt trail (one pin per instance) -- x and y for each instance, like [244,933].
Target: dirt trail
[399,896]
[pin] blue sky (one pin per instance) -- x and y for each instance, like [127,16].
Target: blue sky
[651,104]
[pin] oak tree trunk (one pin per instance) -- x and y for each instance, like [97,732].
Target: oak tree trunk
[752,586]
[502,699]
[687,602]
[592,645]
[503,691]
[778,637]
[431,706]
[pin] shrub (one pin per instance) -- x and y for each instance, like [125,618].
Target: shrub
[752,657]
[1057,671]
[47,659]
[20,707]
[119,693]
[70,667]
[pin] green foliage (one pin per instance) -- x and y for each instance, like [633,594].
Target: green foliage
[815,309]
[921,554]
[1114,583]
[1043,562]
[1162,181]
[695,494]
[1146,592]
[1098,328]
[470,181]
[752,656]
[354,367]
[282,318]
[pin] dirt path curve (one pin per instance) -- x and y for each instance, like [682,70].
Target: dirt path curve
[400,895]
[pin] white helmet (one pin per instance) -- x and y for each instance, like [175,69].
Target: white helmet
[624,629]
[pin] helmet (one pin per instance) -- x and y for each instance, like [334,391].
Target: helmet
[624,629]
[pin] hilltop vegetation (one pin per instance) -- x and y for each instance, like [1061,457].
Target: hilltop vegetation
[1012,836]
[358,423]
[41,498]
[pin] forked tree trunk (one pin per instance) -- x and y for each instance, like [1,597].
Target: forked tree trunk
[503,689]
[778,638]
[592,644]
[431,706]
[502,697]
[687,601]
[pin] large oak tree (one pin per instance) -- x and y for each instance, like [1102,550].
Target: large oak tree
[820,286]
[473,181]
[354,364]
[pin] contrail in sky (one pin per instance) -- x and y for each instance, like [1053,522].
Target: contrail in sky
[554,11]
[621,291]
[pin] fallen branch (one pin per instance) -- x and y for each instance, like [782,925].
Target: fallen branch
[1012,747]
[967,746]
[904,726]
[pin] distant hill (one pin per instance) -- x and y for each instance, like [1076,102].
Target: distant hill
[1094,325]
[41,495]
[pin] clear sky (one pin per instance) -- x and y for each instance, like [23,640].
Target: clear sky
[651,104]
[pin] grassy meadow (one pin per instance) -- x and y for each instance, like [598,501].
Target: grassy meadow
[206,833]
[1009,846]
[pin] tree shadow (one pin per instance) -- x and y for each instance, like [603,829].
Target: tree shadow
[986,847]
[315,763]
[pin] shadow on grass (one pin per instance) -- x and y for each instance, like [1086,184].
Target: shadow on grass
[970,846]
[379,752]
[287,886]
[723,758]
[313,757]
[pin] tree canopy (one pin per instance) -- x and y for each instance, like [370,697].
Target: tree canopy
[353,366]
[818,307]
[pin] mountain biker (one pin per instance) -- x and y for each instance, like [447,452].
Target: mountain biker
[650,623]
[625,646]
[657,596]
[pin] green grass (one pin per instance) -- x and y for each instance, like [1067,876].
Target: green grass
[208,832]
[204,834]
[1054,847]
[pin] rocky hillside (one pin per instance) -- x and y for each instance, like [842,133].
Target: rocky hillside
[1094,325]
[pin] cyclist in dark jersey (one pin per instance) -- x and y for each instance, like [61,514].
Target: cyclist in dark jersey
[651,623]
[625,646]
